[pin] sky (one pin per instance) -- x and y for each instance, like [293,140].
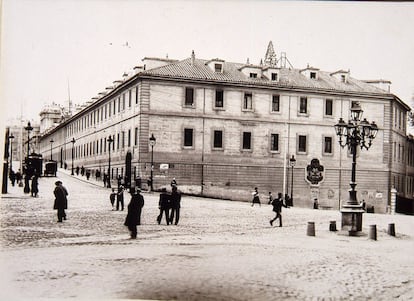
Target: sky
[53,49]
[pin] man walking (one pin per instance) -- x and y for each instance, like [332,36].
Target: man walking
[175,205]
[164,206]
[112,197]
[120,198]
[277,207]
[61,202]
[133,217]
[256,199]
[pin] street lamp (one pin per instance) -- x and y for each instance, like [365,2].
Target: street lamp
[353,134]
[51,143]
[292,163]
[73,151]
[110,140]
[26,188]
[152,142]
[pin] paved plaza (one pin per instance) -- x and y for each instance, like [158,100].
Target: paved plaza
[221,250]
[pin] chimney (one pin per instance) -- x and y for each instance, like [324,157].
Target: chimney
[192,58]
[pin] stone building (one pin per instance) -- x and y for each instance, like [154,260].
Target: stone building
[223,128]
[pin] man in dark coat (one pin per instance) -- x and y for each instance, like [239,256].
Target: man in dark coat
[61,202]
[133,217]
[35,185]
[277,207]
[164,206]
[120,198]
[175,205]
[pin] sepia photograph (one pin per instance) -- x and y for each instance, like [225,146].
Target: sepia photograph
[207,150]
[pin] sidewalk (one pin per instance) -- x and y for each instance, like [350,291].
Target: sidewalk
[220,250]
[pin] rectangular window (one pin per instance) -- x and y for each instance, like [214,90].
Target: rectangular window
[123,101]
[217,68]
[109,110]
[327,145]
[119,104]
[247,140]
[123,139]
[274,142]
[189,96]
[275,103]
[117,141]
[219,103]
[248,101]
[302,144]
[253,75]
[114,106]
[136,137]
[106,111]
[313,75]
[188,137]
[136,95]
[328,107]
[303,105]
[129,138]
[274,76]
[129,98]
[218,139]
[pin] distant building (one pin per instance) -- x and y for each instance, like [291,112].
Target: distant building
[222,128]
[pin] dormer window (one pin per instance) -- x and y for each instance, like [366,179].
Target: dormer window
[274,76]
[343,78]
[216,65]
[312,75]
[253,75]
[218,68]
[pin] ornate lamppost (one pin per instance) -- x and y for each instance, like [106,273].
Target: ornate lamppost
[110,140]
[353,134]
[152,142]
[292,163]
[73,153]
[51,144]
[26,188]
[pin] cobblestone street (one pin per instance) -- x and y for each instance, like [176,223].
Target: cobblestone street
[220,250]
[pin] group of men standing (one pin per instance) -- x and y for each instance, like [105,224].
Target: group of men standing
[169,205]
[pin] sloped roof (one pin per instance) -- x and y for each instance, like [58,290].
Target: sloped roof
[291,78]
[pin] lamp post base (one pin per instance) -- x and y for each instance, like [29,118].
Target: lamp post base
[352,219]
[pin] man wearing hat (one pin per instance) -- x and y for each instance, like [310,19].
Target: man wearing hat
[61,202]
[133,217]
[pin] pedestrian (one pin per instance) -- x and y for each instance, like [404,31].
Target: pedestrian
[173,182]
[12,176]
[270,197]
[164,205]
[88,174]
[175,205]
[104,179]
[134,212]
[82,170]
[112,197]
[288,200]
[35,185]
[363,204]
[18,177]
[77,170]
[98,174]
[315,204]
[277,207]
[256,199]
[120,198]
[61,202]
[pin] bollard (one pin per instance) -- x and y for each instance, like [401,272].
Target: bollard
[332,226]
[391,229]
[372,232]
[311,229]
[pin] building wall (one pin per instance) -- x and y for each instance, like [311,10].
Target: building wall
[158,108]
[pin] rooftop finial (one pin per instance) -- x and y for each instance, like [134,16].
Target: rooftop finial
[270,57]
